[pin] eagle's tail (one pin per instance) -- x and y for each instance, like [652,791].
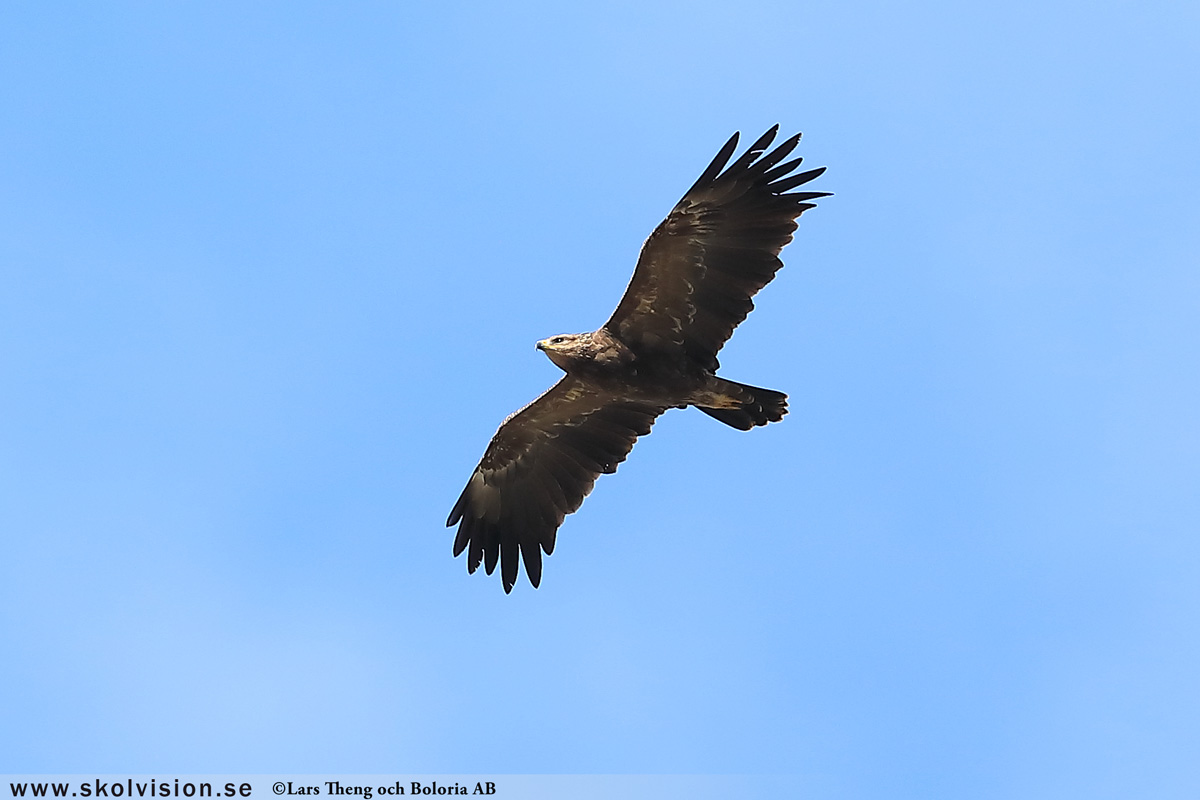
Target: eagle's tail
[741,406]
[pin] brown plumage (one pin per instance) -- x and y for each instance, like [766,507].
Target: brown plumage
[692,286]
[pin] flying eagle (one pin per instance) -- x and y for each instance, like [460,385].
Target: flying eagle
[692,286]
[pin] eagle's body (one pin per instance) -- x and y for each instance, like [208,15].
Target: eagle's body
[692,286]
[610,367]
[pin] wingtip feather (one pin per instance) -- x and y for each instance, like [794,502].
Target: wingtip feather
[717,164]
[753,152]
[784,184]
[460,506]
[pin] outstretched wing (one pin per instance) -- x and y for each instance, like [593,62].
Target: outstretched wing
[538,468]
[713,252]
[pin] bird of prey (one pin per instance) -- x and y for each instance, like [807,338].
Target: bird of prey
[691,287]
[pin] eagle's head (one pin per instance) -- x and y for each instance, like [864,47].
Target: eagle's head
[567,349]
[572,350]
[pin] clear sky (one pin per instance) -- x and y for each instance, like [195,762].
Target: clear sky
[271,274]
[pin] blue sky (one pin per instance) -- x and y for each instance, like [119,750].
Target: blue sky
[272,275]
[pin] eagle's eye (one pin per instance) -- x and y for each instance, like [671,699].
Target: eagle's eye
[558,340]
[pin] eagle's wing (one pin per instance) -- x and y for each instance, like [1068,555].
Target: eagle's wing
[713,252]
[538,468]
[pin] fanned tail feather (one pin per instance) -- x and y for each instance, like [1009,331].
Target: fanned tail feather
[745,407]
